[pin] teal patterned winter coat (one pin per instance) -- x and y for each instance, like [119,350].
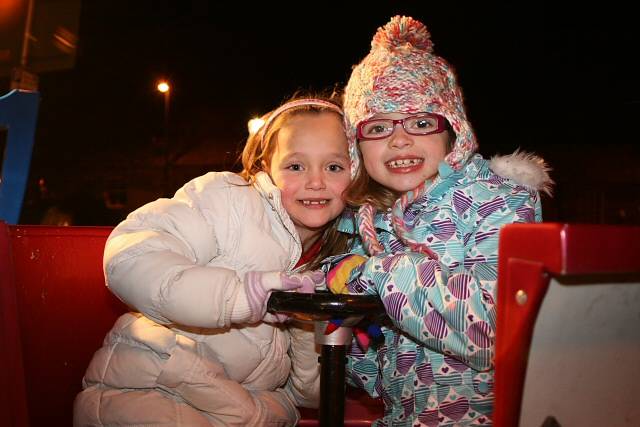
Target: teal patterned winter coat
[435,365]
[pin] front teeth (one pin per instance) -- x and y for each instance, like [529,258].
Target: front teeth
[314,202]
[403,163]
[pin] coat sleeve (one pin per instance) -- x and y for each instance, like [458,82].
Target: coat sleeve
[303,384]
[447,306]
[156,262]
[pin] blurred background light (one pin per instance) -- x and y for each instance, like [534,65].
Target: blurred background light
[254,125]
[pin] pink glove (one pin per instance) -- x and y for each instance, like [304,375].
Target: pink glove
[310,280]
[258,286]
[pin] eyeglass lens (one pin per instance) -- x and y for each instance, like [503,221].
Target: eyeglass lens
[420,124]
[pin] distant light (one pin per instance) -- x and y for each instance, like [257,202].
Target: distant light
[65,40]
[163,87]
[254,125]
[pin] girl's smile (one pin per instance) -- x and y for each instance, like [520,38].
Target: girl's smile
[405,165]
[315,203]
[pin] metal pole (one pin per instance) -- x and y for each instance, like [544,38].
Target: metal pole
[26,38]
[333,358]
[167,151]
[332,385]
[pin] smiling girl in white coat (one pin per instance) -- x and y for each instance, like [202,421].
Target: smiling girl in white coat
[198,348]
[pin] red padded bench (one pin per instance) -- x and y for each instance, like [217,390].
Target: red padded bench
[55,311]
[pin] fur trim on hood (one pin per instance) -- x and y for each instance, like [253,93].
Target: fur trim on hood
[526,169]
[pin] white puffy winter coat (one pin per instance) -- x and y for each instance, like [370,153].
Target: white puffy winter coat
[178,360]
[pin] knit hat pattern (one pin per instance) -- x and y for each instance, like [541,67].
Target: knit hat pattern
[402,74]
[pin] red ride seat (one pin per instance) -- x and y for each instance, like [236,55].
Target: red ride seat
[55,311]
[567,349]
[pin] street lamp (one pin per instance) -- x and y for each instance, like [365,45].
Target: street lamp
[164,88]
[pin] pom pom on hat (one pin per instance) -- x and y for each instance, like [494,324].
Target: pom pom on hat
[403,32]
[402,74]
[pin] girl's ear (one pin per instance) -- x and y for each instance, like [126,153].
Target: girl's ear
[265,166]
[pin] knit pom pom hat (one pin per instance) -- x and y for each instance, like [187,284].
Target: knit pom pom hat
[401,74]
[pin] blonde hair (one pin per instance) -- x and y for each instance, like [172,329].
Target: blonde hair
[258,152]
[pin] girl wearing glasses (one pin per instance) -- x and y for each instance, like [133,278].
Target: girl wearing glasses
[429,215]
[197,269]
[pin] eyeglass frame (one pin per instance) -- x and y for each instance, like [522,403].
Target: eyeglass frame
[441,120]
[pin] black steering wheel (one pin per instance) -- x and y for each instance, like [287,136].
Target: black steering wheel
[319,307]
[324,305]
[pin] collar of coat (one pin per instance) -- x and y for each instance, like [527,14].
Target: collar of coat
[273,196]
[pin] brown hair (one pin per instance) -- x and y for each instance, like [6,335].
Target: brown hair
[259,149]
[363,190]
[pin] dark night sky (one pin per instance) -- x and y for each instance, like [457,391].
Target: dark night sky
[547,79]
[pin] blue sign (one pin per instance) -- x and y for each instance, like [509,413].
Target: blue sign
[18,116]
